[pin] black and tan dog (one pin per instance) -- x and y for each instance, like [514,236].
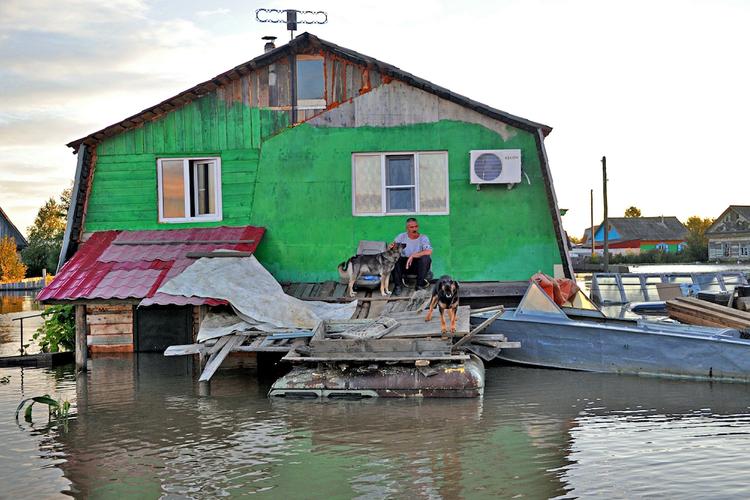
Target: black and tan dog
[445,296]
[379,264]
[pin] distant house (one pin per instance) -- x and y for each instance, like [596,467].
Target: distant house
[729,235]
[7,228]
[634,235]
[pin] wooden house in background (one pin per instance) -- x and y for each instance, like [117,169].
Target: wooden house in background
[729,235]
[312,147]
[633,235]
[8,229]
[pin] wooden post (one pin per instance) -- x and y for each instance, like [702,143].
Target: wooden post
[591,236]
[605,259]
[81,347]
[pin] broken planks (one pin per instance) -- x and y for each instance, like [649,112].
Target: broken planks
[698,312]
[693,311]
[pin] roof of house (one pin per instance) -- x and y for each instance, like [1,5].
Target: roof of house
[303,41]
[648,228]
[15,233]
[743,210]
[129,265]
[720,225]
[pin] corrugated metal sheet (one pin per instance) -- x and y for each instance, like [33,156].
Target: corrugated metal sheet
[134,264]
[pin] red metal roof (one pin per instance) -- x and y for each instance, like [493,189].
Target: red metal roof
[134,264]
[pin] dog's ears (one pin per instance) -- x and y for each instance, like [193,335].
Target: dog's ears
[454,286]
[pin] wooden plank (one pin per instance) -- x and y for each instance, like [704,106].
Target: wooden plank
[413,323]
[387,344]
[109,339]
[110,319]
[81,344]
[187,349]
[478,329]
[108,308]
[218,357]
[718,308]
[115,329]
[295,357]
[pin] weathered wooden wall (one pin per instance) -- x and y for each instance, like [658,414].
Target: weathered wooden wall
[110,328]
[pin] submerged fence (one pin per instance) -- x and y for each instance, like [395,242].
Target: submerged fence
[27,284]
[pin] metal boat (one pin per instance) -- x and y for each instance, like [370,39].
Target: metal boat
[582,338]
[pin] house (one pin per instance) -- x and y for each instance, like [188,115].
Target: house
[729,235]
[315,147]
[7,228]
[633,235]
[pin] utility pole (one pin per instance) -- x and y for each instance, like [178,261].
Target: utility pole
[591,236]
[605,260]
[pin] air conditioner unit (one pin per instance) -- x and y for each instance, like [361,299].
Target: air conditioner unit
[495,166]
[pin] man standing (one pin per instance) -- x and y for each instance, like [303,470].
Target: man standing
[416,256]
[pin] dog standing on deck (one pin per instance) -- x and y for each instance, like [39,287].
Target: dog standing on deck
[445,296]
[380,264]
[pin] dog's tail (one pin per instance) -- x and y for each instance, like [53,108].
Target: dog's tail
[345,269]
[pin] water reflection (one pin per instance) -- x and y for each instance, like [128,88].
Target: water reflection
[142,430]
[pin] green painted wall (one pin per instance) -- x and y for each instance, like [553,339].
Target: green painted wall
[673,247]
[303,196]
[124,190]
[298,185]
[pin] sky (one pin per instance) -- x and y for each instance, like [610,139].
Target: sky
[659,87]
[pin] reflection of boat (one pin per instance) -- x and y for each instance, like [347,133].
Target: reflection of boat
[582,338]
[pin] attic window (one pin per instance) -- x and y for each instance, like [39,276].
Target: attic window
[189,189]
[310,83]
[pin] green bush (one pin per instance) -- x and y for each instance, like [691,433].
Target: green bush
[58,332]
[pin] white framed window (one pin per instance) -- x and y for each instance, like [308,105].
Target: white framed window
[189,189]
[400,183]
[745,250]
[663,247]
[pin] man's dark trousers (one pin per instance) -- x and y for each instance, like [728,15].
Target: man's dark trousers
[419,266]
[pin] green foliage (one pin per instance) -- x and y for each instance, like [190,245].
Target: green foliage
[58,330]
[633,212]
[57,408]
[11,267]
[697,242]
[46,235]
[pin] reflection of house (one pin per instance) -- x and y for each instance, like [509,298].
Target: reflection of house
[322,147]
[642,234]
[729,235]
[7,228]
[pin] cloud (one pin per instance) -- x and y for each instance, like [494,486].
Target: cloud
[215,12]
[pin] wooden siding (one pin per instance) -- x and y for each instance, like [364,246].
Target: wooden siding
[110,328]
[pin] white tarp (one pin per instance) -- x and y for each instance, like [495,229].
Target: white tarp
[254,294]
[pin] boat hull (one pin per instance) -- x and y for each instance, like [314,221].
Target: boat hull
[661,350]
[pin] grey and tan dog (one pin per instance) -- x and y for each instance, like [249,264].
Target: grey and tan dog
[379,264]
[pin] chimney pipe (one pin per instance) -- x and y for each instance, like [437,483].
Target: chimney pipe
[269,46]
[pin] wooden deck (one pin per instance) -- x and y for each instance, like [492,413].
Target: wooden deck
[374,305]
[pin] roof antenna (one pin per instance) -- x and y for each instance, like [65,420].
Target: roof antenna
[306,17]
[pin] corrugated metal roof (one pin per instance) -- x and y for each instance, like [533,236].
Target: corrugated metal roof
[133,264]
[648,228]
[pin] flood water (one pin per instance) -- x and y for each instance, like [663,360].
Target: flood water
[15,305]
[142,430]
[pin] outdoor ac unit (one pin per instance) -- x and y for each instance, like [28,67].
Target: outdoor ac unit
[496,166]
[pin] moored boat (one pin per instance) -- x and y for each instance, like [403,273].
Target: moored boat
[582,338]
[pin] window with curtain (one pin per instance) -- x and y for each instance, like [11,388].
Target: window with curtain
[400,183]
